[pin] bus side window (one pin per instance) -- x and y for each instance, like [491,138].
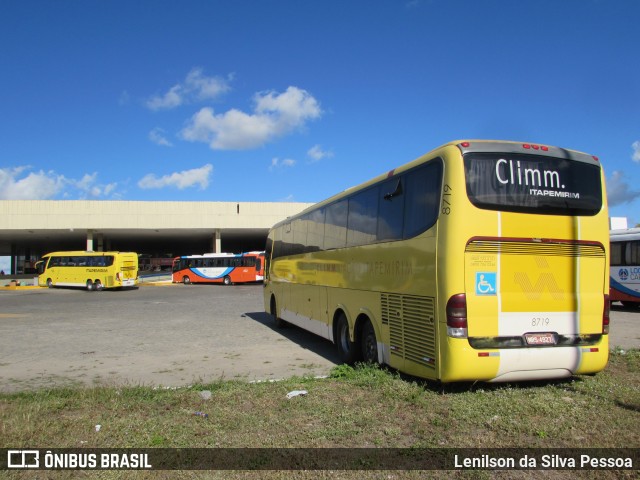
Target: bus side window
[633,253]
[390,214]
[423,199]
[287,239]
[616,254]
[299,227]
[315,231]
[363,217]
[335,228]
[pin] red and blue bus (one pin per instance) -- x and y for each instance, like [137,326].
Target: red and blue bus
[225,268]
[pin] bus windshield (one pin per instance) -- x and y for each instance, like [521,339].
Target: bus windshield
[533,184]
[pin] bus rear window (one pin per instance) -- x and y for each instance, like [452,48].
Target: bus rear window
[533,183]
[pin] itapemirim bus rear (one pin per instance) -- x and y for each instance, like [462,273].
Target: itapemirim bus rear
[481,260]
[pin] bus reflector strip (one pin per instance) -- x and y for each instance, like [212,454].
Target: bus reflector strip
[488,354]
[590,350]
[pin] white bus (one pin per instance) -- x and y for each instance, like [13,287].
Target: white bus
[625,266]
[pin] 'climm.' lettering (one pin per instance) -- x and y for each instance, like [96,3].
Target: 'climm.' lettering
[509,173]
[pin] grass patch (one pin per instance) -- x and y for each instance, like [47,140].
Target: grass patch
[355,407]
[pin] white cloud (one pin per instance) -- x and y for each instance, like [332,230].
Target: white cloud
[618,190]
[89,188]
[636,151]
[171,99]
[317,153]
[274,115]
[157,136]
[47,185]
[35,186]
[206,88]
[284,163]
[180,180]
[195,87]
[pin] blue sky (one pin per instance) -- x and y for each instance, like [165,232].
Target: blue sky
[297,100]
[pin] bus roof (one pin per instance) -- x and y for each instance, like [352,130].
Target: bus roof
[492,146]
[625,234]
[85,253]
[221,255]
[465,146]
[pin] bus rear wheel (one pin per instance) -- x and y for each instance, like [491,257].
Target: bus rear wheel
[97,285]
[186,280]
[227,280]
[369,344]
[347,349]
[89,285]
[274,314]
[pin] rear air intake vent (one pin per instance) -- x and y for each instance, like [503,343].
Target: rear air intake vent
[412,327]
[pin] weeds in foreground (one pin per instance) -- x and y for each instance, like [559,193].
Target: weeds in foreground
[364,406]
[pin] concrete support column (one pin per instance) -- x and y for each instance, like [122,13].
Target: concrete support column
[100,243]
[216,241]
[14,259]
[89,240]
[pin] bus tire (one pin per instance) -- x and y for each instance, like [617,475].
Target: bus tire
[49,283]
[226,280]
[97,286]
[279,323]
[369,344]
[89,285]
[347,349]
[186,280]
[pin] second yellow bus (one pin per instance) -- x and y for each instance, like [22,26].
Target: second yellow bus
[90,270]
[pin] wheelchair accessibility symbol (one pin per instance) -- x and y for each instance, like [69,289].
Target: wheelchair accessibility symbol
[486,283]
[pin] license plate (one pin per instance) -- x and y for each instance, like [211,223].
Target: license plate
[540,338]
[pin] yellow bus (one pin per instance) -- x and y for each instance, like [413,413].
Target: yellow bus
[481,260]
[90,270]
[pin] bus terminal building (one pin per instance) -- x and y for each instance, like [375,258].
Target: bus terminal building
[32,228]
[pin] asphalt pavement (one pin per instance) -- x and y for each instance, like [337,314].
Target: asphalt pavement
[167,336]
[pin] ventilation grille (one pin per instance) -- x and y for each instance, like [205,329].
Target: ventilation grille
[412,327]
[546,248]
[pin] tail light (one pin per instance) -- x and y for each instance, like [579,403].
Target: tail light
[457,316]
[118,276]
[605,315]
